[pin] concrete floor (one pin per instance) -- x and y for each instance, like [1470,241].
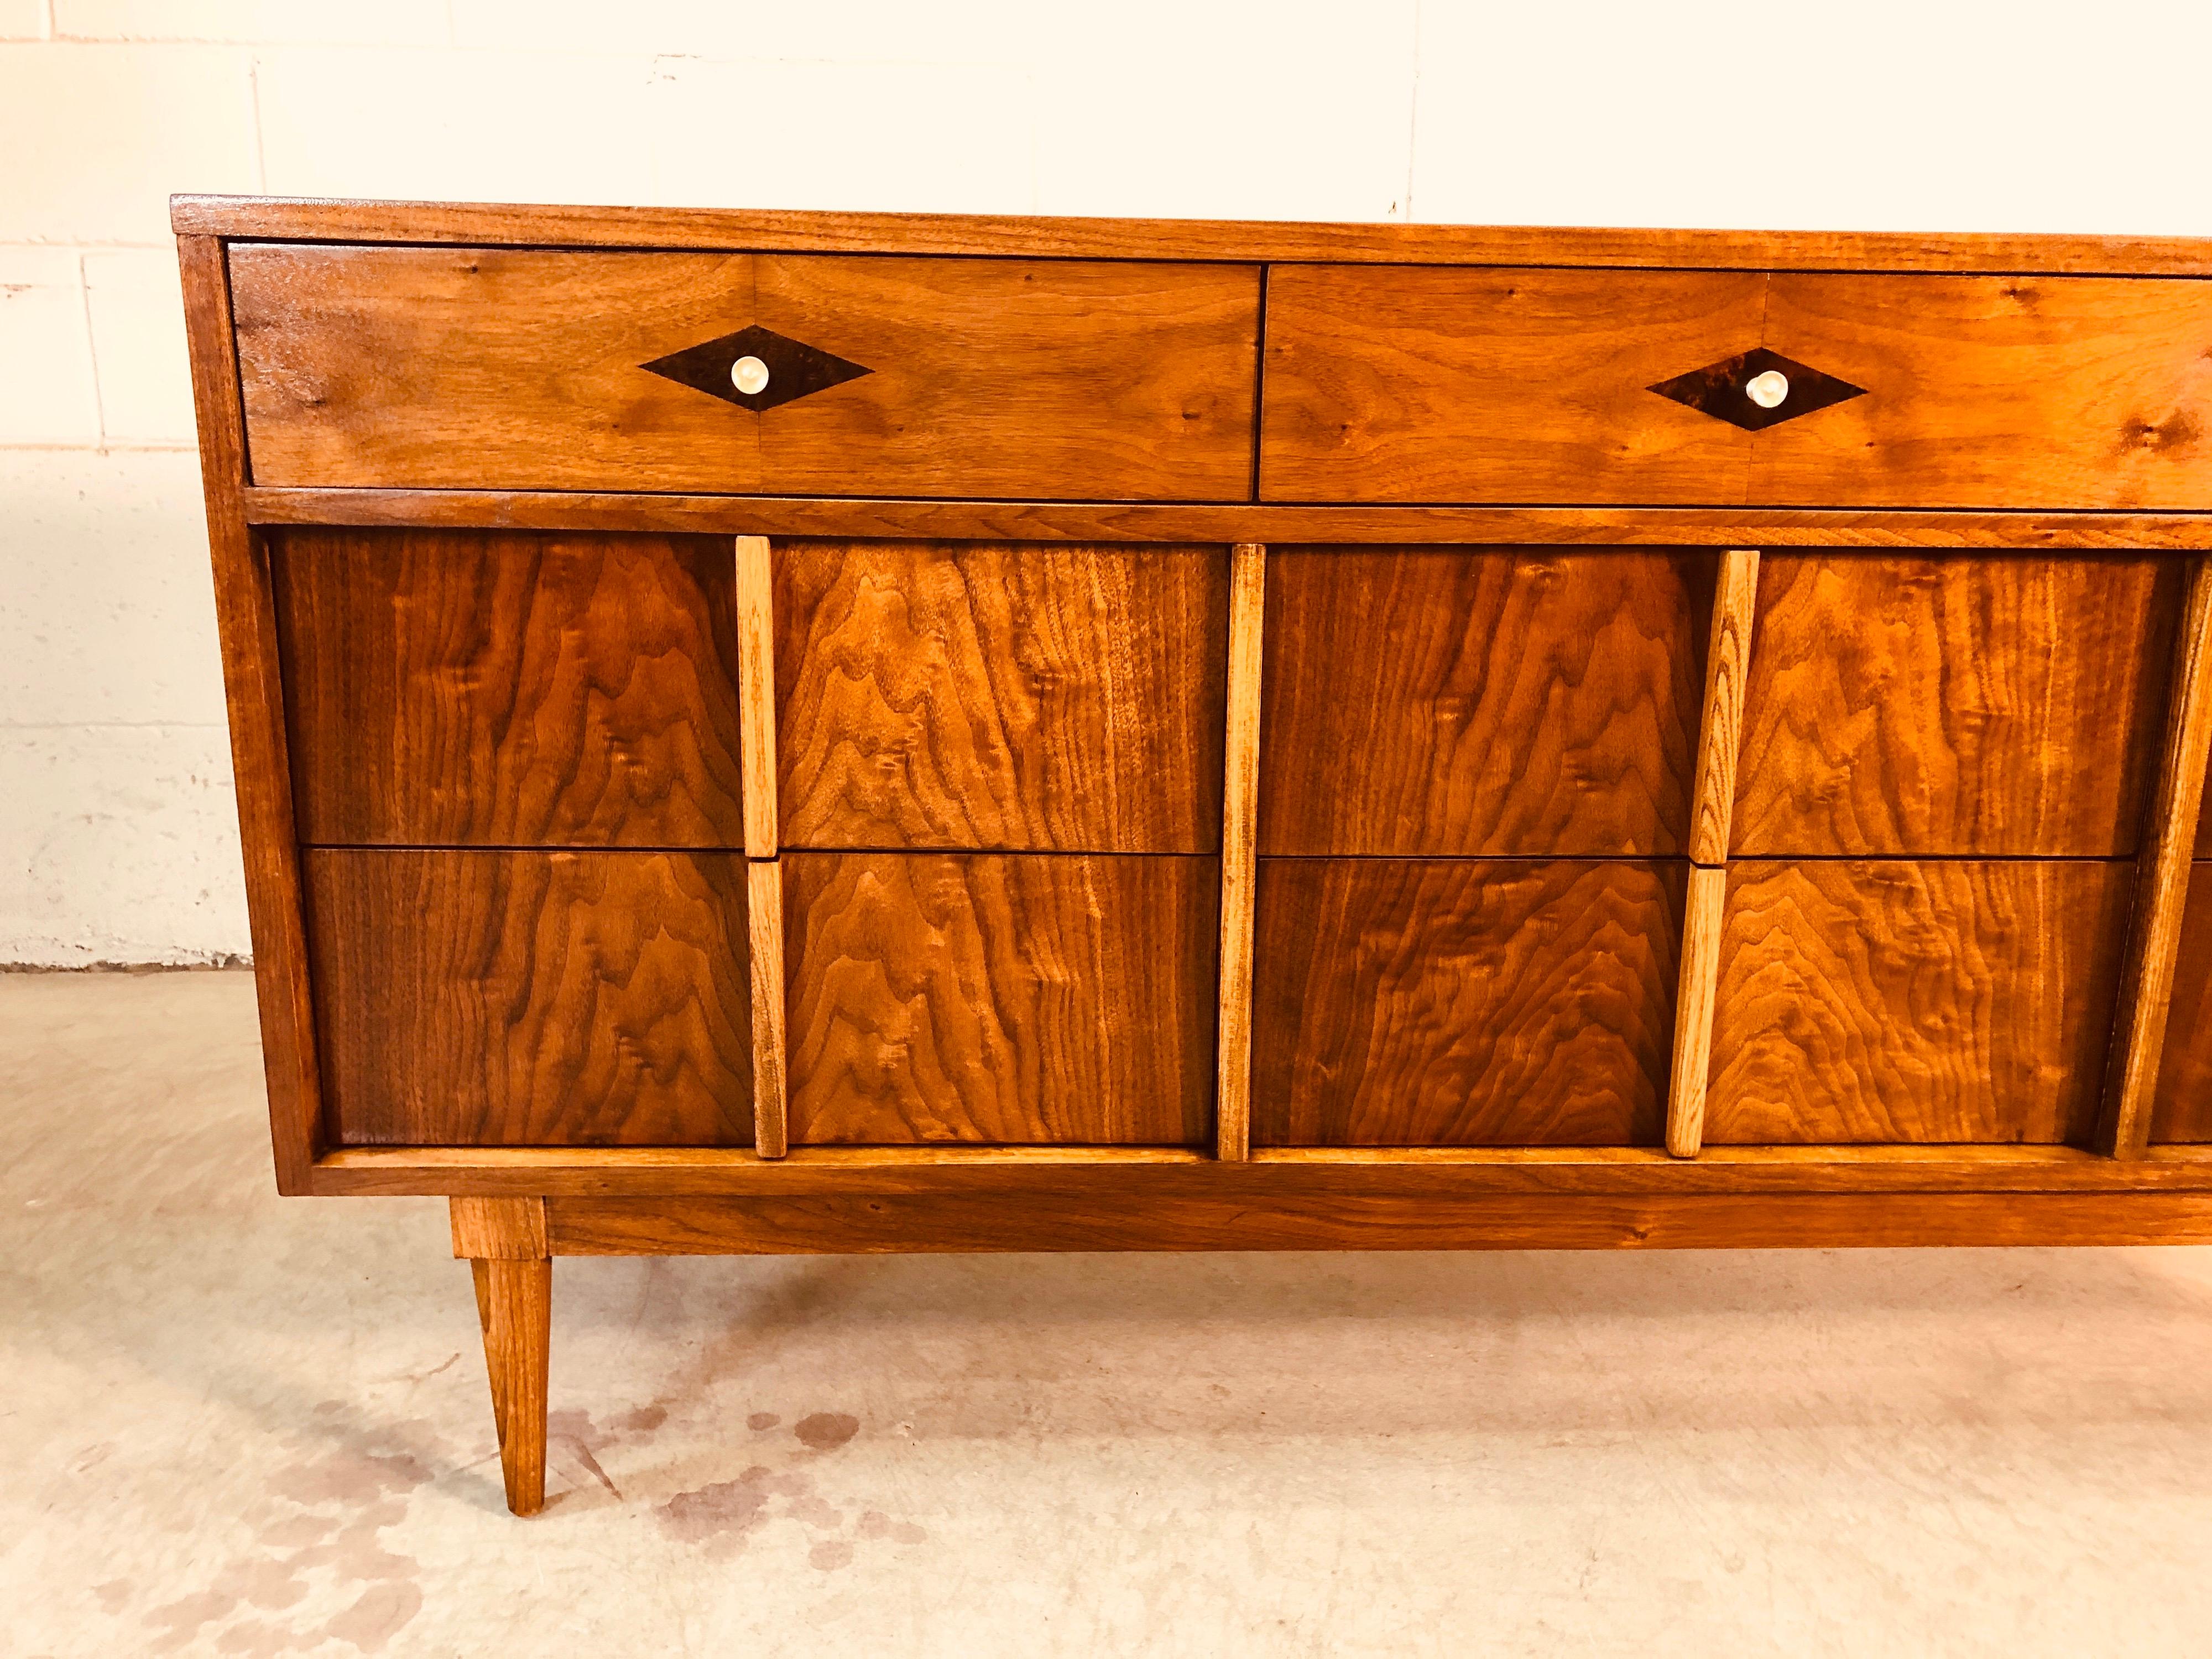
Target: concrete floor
[237,1425]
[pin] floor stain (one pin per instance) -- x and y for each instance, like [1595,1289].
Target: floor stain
[826,1431]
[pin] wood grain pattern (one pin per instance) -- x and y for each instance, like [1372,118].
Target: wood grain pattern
[1952,1001]
[1425,702]
[253,690]
[1720,730]
[482,366]
[2181,1109]
[316,219]
[1948,707]
[1411,385]
[1247,565]
[1994,392]
[756,603]
[510,689]
[1139,521]
[1702,913]
[515,1305]
[2154,939]
[499,1229]
[771,1088]
[1079,1220]
[936,695]
[984,997]
[1408,1174]
[1462,1002]
[527,997]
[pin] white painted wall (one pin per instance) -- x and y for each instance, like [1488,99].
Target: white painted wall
[116,837]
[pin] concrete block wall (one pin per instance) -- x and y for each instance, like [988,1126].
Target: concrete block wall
[118,842]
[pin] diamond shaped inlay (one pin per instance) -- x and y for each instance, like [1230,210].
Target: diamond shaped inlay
[794,368]
[1721,390]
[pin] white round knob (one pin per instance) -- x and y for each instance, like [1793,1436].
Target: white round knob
[750,374]
[1767,390]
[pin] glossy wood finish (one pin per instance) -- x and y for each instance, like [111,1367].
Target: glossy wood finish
[771,1087]
[1457,1002]
[2154,938]
[1705,909]
[475,366]
[1377,1174]
[510,689]
[318,219]
[1720,725]
[986,997]
[1128,521]
[1426,702]
[1941,1001]
[1396,384]
[1994,392]
[253,691]
[1089,1217]
[514,1306]
[2181,1107]
[1405,384]
[1898,706]
[1248,579]
[988,696]
[756,605]
[530,998]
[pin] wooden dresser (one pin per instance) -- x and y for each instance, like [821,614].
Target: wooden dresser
[773,732]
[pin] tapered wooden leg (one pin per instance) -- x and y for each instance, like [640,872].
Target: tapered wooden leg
[503,1240]
[517,1301]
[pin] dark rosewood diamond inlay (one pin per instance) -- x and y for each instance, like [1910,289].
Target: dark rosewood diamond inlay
[794,368]
[1722,390]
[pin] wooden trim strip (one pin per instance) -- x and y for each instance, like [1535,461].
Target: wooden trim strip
[494,224]
[1074,1219]
[1712,808]
[2162,882]
[1240,807]
[1139,521]
[1720,727]
[1693,1010]
[764,918]
[1356,1173]
[756,693]
[252,673]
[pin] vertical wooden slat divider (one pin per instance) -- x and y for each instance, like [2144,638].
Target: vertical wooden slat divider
[252,677]
[1240,794]
[757,694]
[763,874]
[1720,740]
[2161,881]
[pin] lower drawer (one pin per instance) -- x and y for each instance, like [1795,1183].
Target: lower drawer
[1014,999]
[1955,1000]
[1463,1002]
[484,998]
[2182,1109]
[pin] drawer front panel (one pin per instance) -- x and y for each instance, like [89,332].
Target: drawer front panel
[1394,383]
[1941,1002]
[2181,1109]
[985,997]
[526,999]
[1953,707]
[1464,1003]
[503,687]
[1391,383]
[2003,392]
[978,696]
[498,369]
[1440,703]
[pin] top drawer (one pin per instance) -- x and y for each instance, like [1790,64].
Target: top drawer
[457,367]
[1414,384]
